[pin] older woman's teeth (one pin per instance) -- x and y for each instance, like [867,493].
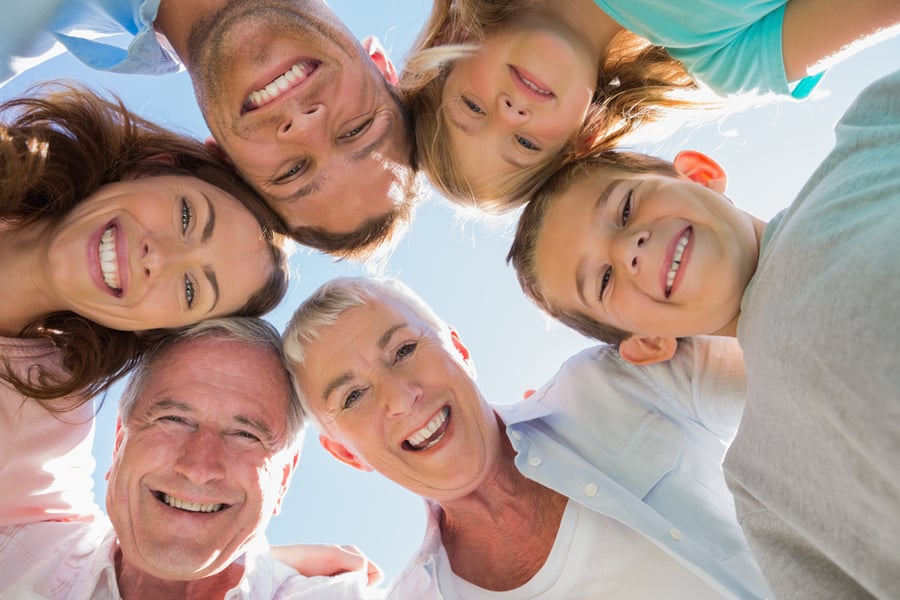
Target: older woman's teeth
[419,437]
[109,265]
[191,506]
[290,78]
[676,259]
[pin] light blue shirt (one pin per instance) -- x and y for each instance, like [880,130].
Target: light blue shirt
[642,445]
[83,27]
[732,46]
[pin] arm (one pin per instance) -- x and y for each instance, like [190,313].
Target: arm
[818,33]
[314,560]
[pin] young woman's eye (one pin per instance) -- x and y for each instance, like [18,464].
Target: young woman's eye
[472,106]
[626,209]
[357,130]
[186,215]
[293,172]
[604,282]
[404,351]
[526,143]
[351,399]
[189,291]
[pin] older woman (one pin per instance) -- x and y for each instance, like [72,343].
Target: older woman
[109,226]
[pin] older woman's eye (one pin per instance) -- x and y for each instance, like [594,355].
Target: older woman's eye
[351,399]
[405,351]
[187,216]
[189,291]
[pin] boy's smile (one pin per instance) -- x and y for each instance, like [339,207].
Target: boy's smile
[649,254]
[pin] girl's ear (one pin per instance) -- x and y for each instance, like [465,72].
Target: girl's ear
[648,350]
[702,169]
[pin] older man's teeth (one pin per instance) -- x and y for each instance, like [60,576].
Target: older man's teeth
[676,259]
[422,439]
[191,506]
[109,264]
[290,78]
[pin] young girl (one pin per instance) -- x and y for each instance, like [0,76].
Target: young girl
[111,225]
[503,93]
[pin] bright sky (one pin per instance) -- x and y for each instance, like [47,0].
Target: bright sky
[458,267]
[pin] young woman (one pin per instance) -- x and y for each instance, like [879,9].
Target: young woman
[113,228]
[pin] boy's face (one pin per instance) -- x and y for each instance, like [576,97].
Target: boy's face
[653,255]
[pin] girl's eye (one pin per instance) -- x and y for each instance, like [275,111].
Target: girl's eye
[189,292]
[526,143]
[607,275]
[472,106]
[357,130]
[351,399]
[404,351]
[626,209]
[186,215]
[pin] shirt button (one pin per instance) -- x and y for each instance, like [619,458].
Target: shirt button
[590,489]
[516,435]
[676,535]
[534,461]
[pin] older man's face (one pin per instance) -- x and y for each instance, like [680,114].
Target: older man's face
[295,101]
[200,465]
[393,397]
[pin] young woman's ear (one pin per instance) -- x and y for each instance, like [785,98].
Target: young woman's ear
[648,350]
[379,56]
[702,169]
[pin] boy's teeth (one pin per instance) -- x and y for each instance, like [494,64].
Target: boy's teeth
[282,83]
[191,506]
[426,432]
[109,265]
[676,260]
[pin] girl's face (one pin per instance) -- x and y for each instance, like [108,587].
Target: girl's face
[516,103]
[156,252]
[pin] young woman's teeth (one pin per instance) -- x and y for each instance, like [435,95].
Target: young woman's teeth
[190,506]
[293,76]
[423,435]
[109,264]
[676,260]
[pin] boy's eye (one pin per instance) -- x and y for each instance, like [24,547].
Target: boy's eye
[186,215]
[626,209]
[189,292]
[526,143]
[604,282]
[472,106]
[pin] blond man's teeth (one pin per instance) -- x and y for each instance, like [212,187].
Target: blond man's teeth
[191,506]
[676,260]
[109,265]
[282,83]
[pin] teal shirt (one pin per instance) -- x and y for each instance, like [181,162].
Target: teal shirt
[731,46]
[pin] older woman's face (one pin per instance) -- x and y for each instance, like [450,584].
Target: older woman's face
[156,252]
[394,397]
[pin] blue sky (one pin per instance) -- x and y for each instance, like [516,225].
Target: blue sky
[458,266]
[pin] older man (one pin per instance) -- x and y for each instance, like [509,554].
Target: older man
[208,436]
[605,483]
[290,95]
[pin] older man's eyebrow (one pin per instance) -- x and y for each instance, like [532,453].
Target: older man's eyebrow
[167,404]
[581,268]
[374,145]
[258,425]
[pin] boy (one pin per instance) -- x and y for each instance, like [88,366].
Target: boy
[638,252]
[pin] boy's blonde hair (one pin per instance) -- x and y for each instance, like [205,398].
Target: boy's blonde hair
[522,252]
[638,84]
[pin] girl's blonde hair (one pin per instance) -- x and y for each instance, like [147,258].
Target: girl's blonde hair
[637,84]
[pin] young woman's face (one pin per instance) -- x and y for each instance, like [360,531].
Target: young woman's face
[517,101]
[156,252]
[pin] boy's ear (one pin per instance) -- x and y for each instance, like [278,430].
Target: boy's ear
[648,350]
[702,169]
[342,453]
[213,146]
[379,56]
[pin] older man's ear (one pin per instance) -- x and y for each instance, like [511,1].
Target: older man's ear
[342,453]
[379,56]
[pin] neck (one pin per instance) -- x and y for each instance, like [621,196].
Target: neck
[135,584]
[25,291]
[176,18]
[499,536]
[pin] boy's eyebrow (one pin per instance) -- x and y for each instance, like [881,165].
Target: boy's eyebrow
[581,268]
